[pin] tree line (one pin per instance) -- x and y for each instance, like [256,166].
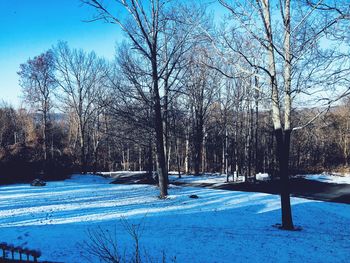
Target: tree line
[264,91]
[227,146]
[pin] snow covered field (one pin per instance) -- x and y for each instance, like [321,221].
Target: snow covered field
[327,178]
[219,226]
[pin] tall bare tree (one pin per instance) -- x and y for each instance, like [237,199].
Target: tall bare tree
[81,77]
[287,42]
[37,78]
[153,31]
[202,86]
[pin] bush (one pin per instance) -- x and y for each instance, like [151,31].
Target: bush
[104,245]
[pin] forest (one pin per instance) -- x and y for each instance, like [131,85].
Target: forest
[232,141]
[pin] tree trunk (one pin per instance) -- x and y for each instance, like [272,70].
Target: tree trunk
[283,140]
[123,160]
[169,156]
[162,171]
[198,145]
[283,145]
[204,153]
[140,158]
[187,151]
[235,150]
[223,157]
[226,154]
[128,158]
[177,156]
[256,155]
[45,135]
[150,158]
[82,151]
[287,222]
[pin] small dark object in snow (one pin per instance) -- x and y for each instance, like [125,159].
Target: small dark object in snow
[37,182]
[194,196]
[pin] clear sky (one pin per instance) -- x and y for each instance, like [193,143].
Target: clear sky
[30,27]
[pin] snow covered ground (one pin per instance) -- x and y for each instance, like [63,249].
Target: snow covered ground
[219,226]
[327,178]
[203,178]
[218,179]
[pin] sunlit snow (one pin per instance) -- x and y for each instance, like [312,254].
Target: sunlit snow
[219,226]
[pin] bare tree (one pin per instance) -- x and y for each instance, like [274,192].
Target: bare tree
[287,42]
[202,87]
[153,31]
[38,81]
[81,78]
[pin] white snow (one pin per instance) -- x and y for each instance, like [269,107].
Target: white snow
[262,177]
[328,178]
[218,179]
[219,226]
[215,178]
[118,173]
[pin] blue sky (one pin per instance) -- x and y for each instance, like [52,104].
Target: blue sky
[30,27]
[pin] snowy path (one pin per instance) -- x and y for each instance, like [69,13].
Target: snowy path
[219,226]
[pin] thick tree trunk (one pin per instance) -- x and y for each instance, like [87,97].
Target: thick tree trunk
[162,171]
[287,222]
[283,146]
[282,139]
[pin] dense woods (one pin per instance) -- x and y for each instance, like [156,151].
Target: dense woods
[265,91]
[114,143]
